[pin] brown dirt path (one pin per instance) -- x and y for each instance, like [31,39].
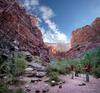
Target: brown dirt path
[71,85]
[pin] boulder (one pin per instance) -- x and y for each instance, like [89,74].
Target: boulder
[28,70]
[40,74]
[37,66]
[33,80]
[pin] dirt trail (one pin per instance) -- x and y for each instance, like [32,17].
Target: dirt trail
[71,86]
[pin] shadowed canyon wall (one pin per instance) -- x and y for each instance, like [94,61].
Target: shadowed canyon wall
[18,26]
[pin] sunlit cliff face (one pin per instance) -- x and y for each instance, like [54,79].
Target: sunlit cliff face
[53,50]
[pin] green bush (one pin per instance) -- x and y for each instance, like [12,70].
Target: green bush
[92,57]
[96,72]
[18,64]
[63,66]
[13,67]
[54,76]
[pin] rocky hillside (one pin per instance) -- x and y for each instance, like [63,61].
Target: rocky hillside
[16,26]
[85,38]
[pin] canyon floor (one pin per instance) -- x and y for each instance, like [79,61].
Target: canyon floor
[71,85]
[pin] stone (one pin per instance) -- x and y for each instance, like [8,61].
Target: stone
[60,86]
[61,82]
[28,70]
[53,83]
[31,74]
[45,88]
[35,80]
[37,66]
[40,74]
[28,89]
[82,84]
[37,91]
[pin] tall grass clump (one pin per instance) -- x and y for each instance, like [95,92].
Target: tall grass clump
[10,70]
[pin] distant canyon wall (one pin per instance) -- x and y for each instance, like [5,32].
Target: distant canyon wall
[84,39]
[88,33]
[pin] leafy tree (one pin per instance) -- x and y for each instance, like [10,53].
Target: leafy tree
[92,57]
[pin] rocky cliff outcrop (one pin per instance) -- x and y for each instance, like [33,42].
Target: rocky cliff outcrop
[77,51]
[16,26]
[84,39]
[88,33]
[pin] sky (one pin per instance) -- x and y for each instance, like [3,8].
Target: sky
[58,18]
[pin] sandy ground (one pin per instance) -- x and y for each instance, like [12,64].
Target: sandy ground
[71,85]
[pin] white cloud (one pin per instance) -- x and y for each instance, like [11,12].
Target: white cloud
[30,3]
[52,34]
[54,37]
[47,12]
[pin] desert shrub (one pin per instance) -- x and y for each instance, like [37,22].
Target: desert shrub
[53,76]
[12,68]
[96,72]
[63,66]
[92,57]
[18,64]
[56,68]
